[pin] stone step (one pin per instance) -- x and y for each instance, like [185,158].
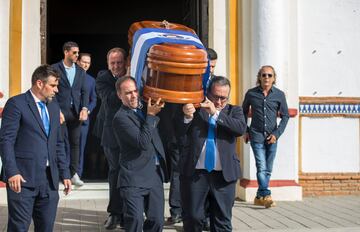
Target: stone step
[96,190]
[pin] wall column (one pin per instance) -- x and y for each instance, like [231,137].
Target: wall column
[269,43]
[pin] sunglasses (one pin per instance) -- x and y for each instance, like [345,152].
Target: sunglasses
[264,75]
[75,52]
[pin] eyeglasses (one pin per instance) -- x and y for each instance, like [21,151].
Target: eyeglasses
[264,75]
[217,98]
[75,52]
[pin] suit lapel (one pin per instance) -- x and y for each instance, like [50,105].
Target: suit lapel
[34,110]
[51,117]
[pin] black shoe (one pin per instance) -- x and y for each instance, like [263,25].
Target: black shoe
[111,222]
[206,225]
[174,219]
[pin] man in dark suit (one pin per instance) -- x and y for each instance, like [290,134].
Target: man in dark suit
[110,103]
[209,164]
[73,99]
[142,160]
[32,153]
[84,61]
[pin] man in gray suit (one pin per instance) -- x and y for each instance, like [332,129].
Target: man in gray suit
[142,161]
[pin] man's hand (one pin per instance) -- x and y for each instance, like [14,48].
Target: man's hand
[189,110]
[208,106]
[271,139]
[83,114]
[15,183]
[62,118]
[156,108]
[246,137]
[67,186]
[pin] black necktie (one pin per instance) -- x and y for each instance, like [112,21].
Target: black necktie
[140,114]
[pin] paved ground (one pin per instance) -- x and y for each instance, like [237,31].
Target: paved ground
[85,210]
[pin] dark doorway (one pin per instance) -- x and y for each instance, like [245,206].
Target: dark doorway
[98,26]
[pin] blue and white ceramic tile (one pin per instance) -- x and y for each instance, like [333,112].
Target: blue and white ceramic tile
[329,108]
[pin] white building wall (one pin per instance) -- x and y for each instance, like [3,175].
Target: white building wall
[4,52]
[335,150]
[4,49]
[329,36]
[218,34]
[31,47]
[329,48]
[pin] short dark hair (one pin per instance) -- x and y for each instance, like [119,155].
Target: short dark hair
[43,72]
[218,80]
[68,45]
[121,80]
[83,54]
[116,49]
[212,55]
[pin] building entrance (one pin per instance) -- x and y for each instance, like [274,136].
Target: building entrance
[98,26]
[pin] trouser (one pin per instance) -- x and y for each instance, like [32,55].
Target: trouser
[83,136]
[115,206]
[211,187]
[39,203]
[138,200]
[264,157]
[73,127]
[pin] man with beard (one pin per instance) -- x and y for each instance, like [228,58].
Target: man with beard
[32,153]
[73,99]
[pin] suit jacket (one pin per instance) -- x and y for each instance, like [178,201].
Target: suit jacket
[24,145]
[230,124]
[90,87]
[139,142]
[105,87]
[76,94]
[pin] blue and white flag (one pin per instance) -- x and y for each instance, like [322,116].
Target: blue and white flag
[145,38]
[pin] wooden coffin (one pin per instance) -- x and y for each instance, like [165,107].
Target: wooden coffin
[174,71]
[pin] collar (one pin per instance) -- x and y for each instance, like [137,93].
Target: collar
[35,98]
[67,67]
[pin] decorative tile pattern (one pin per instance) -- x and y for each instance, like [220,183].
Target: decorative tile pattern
[340,108]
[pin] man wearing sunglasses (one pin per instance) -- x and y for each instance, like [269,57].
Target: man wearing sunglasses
[209,164]
[73,99]
[266,102]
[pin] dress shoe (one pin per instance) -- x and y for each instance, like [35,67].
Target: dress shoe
[268,202]
[259,201]
[111,222]
[174,219]
[264,201]
[75,180]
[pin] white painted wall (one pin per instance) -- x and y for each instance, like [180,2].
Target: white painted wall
[329,42]
[4,52]
[329,48]
[4,49]
[330,145]
[218,34]
[31,47]
[268,40]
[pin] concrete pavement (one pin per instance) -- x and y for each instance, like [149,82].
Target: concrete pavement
[85,210]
